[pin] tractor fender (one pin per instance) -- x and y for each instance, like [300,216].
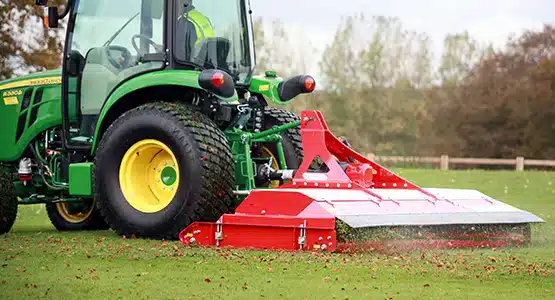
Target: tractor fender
[122,97]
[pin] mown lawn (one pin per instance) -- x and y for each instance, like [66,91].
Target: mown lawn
[38,262]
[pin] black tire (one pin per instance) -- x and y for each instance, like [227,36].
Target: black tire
[291,139]
[8,202]
[204,159]
[64,220]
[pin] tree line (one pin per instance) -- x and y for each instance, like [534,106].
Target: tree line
[384,90]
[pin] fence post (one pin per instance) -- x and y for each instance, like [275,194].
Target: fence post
[520,163]
[444,163]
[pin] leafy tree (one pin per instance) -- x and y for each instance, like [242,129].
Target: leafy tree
[373,70]
[461,53]
[506,106]
[25,46]
[274,51]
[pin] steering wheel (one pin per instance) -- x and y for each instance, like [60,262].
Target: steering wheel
[122,60]
[157,47]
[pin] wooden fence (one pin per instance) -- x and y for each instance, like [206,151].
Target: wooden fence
[519,162]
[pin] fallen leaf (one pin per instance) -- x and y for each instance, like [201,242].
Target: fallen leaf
[95,277]
[207,280]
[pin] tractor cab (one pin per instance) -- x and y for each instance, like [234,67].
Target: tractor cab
[109,43]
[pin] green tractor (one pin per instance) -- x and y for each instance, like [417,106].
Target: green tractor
[154,121]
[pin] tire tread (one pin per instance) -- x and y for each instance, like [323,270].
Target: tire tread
[216,196]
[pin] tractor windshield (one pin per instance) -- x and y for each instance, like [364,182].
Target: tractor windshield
[215,35]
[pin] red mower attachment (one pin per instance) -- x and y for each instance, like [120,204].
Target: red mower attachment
[352,202]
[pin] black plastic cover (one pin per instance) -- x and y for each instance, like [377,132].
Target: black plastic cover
[227,89]
[292,87]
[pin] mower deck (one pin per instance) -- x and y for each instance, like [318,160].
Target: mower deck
[360,204]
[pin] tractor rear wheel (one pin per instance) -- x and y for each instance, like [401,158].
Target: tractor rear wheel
[75,216]
[8,202]
[161,167]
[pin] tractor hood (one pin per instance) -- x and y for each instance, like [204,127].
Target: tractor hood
[35,79]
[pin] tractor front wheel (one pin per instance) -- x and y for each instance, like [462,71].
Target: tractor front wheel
[161,167]
[75,216]
[291,140]
[8,202]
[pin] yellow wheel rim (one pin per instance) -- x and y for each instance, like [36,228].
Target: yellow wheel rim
[275,165]
[74,218]
[149,176]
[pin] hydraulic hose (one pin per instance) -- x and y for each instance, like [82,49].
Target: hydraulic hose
[41,171]
[37,154]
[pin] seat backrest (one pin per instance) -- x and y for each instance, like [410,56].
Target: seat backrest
[98,80]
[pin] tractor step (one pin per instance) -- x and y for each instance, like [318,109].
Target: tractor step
[359,203]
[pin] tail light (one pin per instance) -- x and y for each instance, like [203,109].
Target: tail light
[217,82]
[294,86]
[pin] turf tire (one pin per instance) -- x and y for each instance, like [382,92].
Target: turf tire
[8,202]
[205,162]
[94,221]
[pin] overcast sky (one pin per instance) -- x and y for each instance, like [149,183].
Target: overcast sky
[486,20]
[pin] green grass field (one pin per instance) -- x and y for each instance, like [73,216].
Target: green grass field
[38,262]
